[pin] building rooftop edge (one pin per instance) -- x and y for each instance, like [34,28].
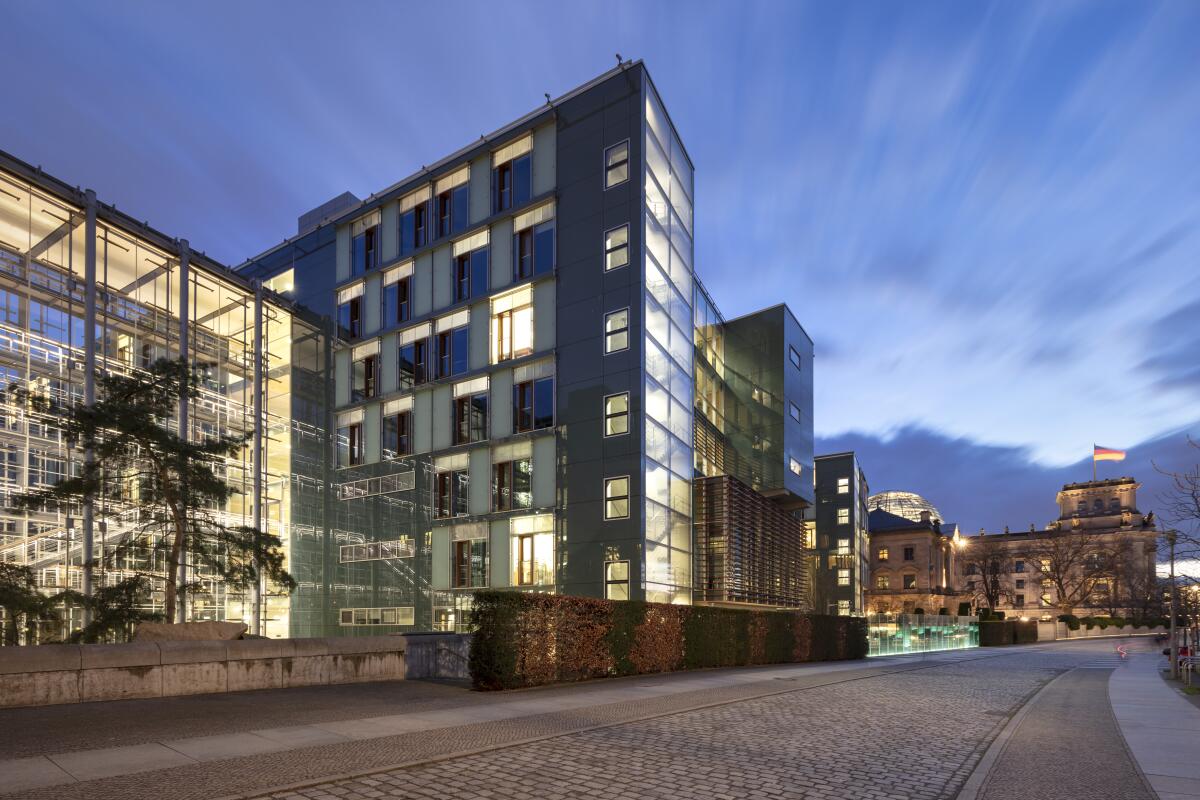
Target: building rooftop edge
[385,194]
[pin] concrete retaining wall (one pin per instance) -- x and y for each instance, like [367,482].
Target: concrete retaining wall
[75,673]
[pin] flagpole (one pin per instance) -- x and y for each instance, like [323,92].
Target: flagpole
[1093,462]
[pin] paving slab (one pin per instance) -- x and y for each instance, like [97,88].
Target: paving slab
[225,745]
[87,765]
[27,773]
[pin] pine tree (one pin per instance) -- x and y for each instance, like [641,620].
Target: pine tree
[175,484]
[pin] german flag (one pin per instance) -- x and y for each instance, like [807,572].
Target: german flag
[1106,454]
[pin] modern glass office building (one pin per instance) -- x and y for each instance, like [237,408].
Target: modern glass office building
[70,265]
[500,371]
[517,371]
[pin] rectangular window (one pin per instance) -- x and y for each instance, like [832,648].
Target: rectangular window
[533,405]
[397,435]
[794,466]
[453,210]
[1020,584]
[794,411]
[843,484]
[909,554]
[882,555]
[1018,566]
[1019,601]
[616,414]
[533,251]
[413,363]
[395,301]
[512,325]
[616,164]
[843,547]
[794,356]
[616,331]
[843,577]
[843,516]
[453,347]
[616,248]
[450,491]
[350,316]
[469,569]
[470,418]
[471,275]
[350,445]
[364,249]
[616,580]
[512,183]
[910,581]
[414,225]
[365,377]
[616,498]
[882,581]
[512,485]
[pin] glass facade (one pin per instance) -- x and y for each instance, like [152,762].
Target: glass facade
[140,297]
[900,634]
[669,385]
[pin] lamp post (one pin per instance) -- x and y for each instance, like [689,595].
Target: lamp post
[1174,599]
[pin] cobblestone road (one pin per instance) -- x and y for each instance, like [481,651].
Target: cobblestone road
[906,735]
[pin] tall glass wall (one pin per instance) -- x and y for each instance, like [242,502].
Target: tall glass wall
[42,341]
[669,350]
[898,634]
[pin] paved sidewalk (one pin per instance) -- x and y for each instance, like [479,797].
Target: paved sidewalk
[1161,727]
[142,736]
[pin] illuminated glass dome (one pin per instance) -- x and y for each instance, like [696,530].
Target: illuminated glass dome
[903,504]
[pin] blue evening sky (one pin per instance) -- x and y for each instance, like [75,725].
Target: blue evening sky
[985,215]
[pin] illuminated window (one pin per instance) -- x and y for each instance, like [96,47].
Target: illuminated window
[843,607]
[616,331]
[794,466]
[512,325]
[616,498]
[883,581]
[843,577]
[843,516]
[616,414]
[532,550]
[616,164]
[616,580]
[843,486]
[883,554]
[843,547]
[616,248]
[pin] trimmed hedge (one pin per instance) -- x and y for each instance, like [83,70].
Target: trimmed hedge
[523,639]
[1000,632]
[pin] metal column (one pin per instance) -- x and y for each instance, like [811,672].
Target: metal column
[89,385]
[184,313]
[256,621]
